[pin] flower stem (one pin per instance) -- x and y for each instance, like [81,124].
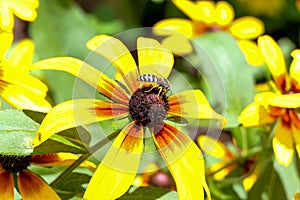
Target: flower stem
[244,140]
[83,157]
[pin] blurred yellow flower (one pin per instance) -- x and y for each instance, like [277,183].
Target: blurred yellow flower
[219,170]
[297,196]
[17,86]
[25,10]
[298,4]
[31,186]
[282,105]
[153,175]
[207,16]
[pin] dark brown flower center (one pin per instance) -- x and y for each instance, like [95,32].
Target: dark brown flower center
[148,106]
[14,163]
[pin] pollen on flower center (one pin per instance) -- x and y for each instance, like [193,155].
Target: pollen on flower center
[148,106]
[14,163]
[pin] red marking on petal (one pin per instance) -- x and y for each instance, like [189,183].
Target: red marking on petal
[6,185]
[45,158]
[167,134]
[281,82]
[110,109]
[294,118]
[133,137]
[276,111]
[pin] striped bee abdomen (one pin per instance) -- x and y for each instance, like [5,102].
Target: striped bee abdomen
[148,78]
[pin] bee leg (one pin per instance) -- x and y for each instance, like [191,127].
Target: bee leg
[160,90]
[152,88]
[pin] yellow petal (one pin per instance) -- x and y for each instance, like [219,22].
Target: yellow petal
[23,91]
[174,26]
[213,147]
[25,99]
[6,17]
[75,113]
[193,104]
[33,187]
[286,100]
[296,137]
[297,195]
[221,174]
[59,159]
[117,170]
[178,44]
[184,160]
[24,9]
[274,58]
[86,72]
[247,28]
[21,56]
[283,143]
[117,53]
[197,11]
[6,39]
[249,181]
[295,69]
[205,11]
[255,115]
[251,52]
[224,13]
[154,58]
[6,185]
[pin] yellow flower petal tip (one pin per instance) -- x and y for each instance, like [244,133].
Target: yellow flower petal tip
[251,52]
[283,154]
[249,181]
[225,13]
[247,27]
[37,140]
[212,146]
[274,59]
[25,11]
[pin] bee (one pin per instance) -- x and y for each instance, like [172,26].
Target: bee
[161,83]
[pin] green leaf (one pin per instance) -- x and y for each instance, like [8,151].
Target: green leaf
[228,76]
[17,132]
[72,185]
[73,140]
[289,177]
[146,193]
[36,116]
[268,182]
[58,144]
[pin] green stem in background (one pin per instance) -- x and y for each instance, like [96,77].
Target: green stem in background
[83,157]
[244,141]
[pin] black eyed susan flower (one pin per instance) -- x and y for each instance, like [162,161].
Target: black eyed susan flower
[31,186]
[25,10]
[146,105]
[17,86]
[281,105]
[207,16]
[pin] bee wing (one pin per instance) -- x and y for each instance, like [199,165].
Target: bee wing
[148,70]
